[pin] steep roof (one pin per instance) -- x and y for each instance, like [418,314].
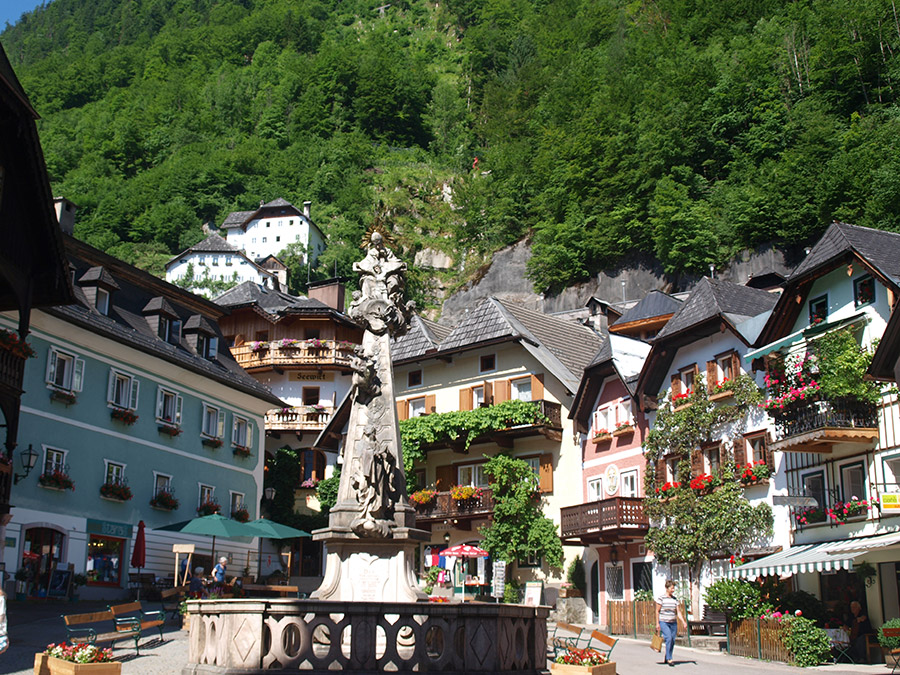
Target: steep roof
[423,337]
[654,304]
[564,347]
[241,218]
[716,297]
[100,276]
[126,324]
[214,243]
[236,218]
[278,202]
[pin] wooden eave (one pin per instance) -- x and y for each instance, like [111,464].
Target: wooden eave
[649,323]
[822,440]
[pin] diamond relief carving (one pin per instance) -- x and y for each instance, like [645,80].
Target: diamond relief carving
[244,640]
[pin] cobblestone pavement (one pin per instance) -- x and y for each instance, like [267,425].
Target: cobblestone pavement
[32,625]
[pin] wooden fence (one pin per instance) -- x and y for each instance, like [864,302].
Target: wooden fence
[758,639]
[631,617]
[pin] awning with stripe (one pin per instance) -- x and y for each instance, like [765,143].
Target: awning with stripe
[826,556]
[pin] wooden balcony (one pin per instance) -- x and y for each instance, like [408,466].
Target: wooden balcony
[616,519]
[12,372]
[816,426]
[302,354]
[6,477]
[300,418]
[444,507]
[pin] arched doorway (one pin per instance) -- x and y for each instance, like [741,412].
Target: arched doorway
[42,548]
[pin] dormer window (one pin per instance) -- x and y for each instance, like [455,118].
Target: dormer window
[163,320]
[98,286]
[201,337]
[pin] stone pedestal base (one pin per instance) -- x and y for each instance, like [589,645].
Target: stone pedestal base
[369,570]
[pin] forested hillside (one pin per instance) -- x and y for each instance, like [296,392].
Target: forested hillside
[690,129]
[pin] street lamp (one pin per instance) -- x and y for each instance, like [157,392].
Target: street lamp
[447,538]
[29,459]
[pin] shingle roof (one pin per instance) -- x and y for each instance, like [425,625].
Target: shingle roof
[100,276]
[483,323]
[236,218]
[212,244]
[198,323]
[159,305]
[880,248]
[654,304]
[251,293]
[127,325]
[423,336]
[716,297]
[278,202]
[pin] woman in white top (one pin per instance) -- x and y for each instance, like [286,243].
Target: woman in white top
[668,610]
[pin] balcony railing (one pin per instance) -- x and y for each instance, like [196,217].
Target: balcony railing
[444,507]
[300,418]
[6,474]
[12,371]
[297,354]
[614,518]
[815,425]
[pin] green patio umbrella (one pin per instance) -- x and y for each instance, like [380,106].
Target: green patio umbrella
[263,527]
[213,526]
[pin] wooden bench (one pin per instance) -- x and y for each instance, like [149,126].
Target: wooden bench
[557,644]
[145,620]
[284,591]
[712,623]
[123,628]
[171,599]
[892,657]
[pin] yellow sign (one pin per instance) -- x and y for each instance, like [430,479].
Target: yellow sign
[312,375]
[890,501]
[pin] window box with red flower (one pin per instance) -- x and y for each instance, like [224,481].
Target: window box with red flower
[56,480]
[623,429]
[841,512]
[208,508]
[211,442]
[703,483]
[668,489]
[165,501]
[682,400]
[423,498]
[811,516]
[12,343]
[124,415]
[721,390]
[241,515]
[170,430]
[63,396]
[116,491]
[601,435]
[241,451]
[755,473]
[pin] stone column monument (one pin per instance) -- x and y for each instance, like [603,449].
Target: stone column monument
[371,536]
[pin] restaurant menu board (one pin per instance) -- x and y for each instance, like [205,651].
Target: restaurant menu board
[533,592]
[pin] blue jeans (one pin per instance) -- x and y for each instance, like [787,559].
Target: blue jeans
[669,631]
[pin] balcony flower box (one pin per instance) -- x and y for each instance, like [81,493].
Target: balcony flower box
[257,346]
[119,492]
[463,493]
[12,343]
[63,396]
[56,480]
[170,429]
[667,490]
[601,436]
[240,515]
[841,512]
[164,501]
[424,498]
[811,516]
[754,473]
[241,451]
[211,442]
[208,508]
[124,415]
[623,429]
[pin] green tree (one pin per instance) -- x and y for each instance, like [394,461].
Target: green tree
[518,528]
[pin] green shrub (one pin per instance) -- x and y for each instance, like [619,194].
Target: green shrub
[736,598]
[431,578]
[889,642]
[808,644]
[512,592]
[643,595]
[575,574]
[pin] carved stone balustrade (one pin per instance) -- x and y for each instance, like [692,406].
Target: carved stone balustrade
[275,635]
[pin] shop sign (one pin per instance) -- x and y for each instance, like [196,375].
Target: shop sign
[890,501]
[312,376]
[109,529]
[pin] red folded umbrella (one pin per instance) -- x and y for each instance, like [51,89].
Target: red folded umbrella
[139,553]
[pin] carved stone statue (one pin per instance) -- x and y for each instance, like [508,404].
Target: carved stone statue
[371,537]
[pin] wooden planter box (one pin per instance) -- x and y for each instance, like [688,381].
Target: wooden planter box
[721,396]
[566,669]
[48,665]
[569,593]
[624,431]
[602,438]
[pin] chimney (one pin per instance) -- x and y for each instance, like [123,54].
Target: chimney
[65,214]
[329,292]
[306,208]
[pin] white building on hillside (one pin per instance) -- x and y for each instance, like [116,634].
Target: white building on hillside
[271,228]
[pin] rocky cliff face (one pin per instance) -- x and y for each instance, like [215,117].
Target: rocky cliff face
[506,278]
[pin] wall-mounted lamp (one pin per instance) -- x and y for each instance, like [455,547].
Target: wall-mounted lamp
[447,538]
[29,459]
[614,556]
[269,492]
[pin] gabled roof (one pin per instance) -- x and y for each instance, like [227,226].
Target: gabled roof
[242,218]
[714,298]
[564,347]
[713,305]
[98,275]
[159,305]
[236,218]
[877,250]
[197,323]
[278,202]
[654,304]
[214,243]
[423,337]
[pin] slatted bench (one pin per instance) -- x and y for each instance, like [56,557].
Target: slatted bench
[557,643]
[121,628]
[132,611]
[712,623]
[171,599]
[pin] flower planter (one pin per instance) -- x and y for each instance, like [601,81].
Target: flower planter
[683,406]
[721,395]
[624,431]
[241,451]
[169,430]
[566,669]
[602,438]
[123,415]
[49,665]
[66,397]
[113,499]
[212,442]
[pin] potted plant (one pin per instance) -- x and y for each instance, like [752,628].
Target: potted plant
[462,493]
[11,342]
[601,435]
[78,580]
[116,491]
[211,442]
[56,480]
[583,662]
[623,428]
[241,515]
[753,473]
[241,451]
[208,508]
[78,659]
[185,617]
[124,415]
[63,396]
[169,429]
[889,643]
[668,489]
[165,501]
[424,497]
